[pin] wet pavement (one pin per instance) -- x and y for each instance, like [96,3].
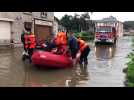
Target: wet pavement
[104,69]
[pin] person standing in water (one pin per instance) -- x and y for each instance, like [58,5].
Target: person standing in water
[73,46]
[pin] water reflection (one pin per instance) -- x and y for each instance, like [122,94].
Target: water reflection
[80,76]
[11,68]
[57,78]
[47,78]
[105,52]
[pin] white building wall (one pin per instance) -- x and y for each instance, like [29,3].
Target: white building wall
[50,15]
[55,29]
[18,24]
[5,28]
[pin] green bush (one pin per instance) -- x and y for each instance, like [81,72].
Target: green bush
[130,71]
[130,84]
[76,34]
[85,36]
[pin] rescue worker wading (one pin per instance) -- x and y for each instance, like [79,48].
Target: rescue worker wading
[30,43]
[84,49]
[73,46]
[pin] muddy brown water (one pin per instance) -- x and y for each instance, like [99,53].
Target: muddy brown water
[104,69]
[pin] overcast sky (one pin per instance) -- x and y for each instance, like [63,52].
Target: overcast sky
[121,16]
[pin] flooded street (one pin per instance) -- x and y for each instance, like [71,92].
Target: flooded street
[104,69]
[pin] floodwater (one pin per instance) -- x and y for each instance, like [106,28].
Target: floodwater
[104,69]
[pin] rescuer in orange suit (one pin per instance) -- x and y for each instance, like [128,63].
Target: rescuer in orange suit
[61,38]
[84,49]
[61,41]
[30,43]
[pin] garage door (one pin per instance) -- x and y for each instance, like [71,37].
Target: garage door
[5,32]
[42,31]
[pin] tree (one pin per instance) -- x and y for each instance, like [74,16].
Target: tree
[86,15]
[66,21]
[76,23]
[128,25]
[84,18]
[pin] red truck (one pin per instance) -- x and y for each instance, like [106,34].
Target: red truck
[105,34]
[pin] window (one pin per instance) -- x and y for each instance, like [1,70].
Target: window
[103,29]
[44,14]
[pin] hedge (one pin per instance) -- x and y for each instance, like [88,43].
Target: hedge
[130,69]
[85,36]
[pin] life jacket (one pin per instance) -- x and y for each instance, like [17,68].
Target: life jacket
[30,41]
[27,41]
[82,44]
[61,39]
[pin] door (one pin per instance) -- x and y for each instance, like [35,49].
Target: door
[5,32]
[42,32]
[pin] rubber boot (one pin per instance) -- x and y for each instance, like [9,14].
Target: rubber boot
[86,62]
[80,62]
[23,57]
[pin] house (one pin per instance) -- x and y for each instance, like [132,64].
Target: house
[111,21]
[56,25]
[131,30]
[12,24]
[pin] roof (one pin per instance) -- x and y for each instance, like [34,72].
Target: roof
[6,19]
[111,18]
[55,18]
[108,19]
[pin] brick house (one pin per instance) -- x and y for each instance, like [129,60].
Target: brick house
[12,24]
